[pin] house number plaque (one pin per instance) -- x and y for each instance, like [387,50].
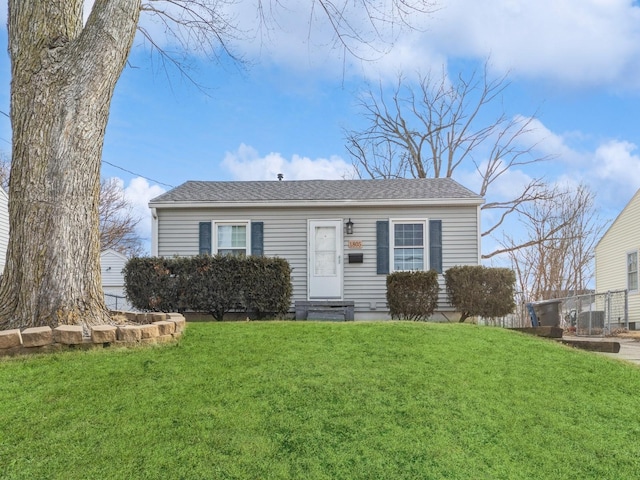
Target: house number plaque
[355,243]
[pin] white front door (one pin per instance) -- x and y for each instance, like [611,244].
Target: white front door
[325,259]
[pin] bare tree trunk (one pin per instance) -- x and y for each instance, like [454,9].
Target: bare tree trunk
[63,77]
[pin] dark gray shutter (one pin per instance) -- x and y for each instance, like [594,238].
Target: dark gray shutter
[382,246]
[205,238]
[257,238]
[435,245]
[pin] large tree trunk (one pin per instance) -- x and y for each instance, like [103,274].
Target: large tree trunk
[63,77]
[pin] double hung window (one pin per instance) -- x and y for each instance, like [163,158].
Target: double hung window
[408,245]
[232,238]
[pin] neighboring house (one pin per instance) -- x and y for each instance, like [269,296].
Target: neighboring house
[617,255]
[341,237]
[111,265]
[4,228]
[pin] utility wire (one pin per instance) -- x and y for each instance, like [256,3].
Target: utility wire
[137,174]
[6,115]
[109,163]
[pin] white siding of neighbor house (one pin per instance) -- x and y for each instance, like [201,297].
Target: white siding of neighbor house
[285,236]
[622,238]
[111,265]
[4,228]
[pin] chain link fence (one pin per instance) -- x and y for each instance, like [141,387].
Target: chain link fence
[596,314]
[116,302]
[592,314]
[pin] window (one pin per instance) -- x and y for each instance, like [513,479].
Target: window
[232,238]
[247,237]
[408,245]
[385,242]
[632,271]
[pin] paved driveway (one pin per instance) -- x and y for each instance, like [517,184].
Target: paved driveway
[629,349]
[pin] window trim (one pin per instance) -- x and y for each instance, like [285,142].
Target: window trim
[238,223]
[425,241]
[637,271]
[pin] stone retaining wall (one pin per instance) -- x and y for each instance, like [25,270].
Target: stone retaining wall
[146,328]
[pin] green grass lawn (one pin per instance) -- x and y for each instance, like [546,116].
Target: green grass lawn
[306,400]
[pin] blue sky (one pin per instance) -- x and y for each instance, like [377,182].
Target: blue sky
[575,63]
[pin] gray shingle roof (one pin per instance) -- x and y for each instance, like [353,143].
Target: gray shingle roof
[317,190]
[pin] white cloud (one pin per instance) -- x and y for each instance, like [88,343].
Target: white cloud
[611,168]
[548,144]
[247,164]
[616,160]
[139,192]
[575,42]
[571,42]
[300,36]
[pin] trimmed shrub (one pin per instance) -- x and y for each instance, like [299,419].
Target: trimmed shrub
[156,284]
[412,295]
[216,285]
[268,288]
[480,291]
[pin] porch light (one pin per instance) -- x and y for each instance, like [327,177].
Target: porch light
[349,227]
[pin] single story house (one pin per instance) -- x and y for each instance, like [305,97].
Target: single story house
[111,265]
[617,258]
[341,237]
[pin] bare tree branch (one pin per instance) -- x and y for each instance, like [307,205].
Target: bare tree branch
[438,127]
[556,258]
[117,221]
[5,170]
[207,27]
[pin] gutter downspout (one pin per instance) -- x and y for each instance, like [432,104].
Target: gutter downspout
[154,232]
[479,210]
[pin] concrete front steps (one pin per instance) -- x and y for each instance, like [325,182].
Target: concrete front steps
[338,311]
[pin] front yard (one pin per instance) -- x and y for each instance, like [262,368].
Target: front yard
[290,400]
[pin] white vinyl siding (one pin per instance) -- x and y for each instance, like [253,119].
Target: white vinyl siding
[622,238]
[632,271]
[4,228]
[285,236]
[111,264]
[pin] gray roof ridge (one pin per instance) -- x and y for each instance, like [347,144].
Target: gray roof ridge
[316,189]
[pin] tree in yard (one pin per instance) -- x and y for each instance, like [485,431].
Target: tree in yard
[434,129]
[556,257]
[5,169]
[63,77]
[117,220]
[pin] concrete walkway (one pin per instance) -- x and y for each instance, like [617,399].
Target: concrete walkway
[629,347]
